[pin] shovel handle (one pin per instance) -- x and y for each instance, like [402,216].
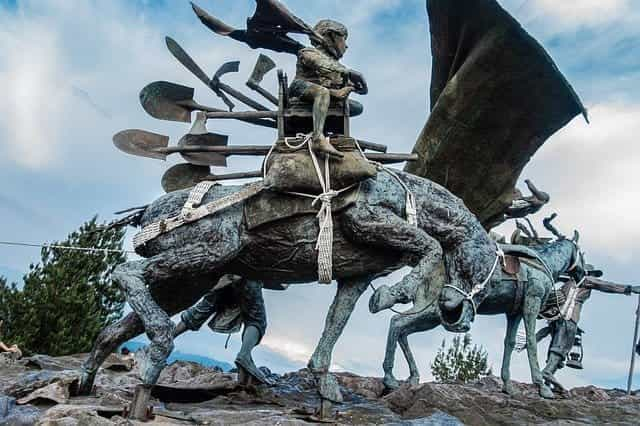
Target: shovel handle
[267,95]
[224,150]
[243,115]
[231,176]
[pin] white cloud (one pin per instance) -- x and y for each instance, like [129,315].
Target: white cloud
[592,173]
[583,12]
[32,80]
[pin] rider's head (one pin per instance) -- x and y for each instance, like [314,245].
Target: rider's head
[334,37]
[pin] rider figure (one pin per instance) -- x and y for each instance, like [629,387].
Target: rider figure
[234,301]
[320,76]
[563,330]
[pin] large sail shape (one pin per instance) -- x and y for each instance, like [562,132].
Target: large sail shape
[496,97]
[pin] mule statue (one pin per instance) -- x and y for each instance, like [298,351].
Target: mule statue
[519,293]
[371,236]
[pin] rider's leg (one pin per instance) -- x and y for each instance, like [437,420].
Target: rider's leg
[321,98]
[255,324]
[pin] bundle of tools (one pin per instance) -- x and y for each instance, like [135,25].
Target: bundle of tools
[200,148]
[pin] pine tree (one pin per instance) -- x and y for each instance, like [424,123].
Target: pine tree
[68,297]
[460,362]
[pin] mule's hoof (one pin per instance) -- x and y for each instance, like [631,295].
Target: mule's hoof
[390,382]
[329,388]
[413,380]
[381,299]
[85,387]
[508,389]
[545,391]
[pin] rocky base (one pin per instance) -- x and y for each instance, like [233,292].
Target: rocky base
[40,390]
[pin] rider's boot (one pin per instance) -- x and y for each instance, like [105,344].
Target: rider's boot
[322,145]
[250,339]
[553,364]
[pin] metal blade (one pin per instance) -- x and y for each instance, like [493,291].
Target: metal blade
[205,158]
[167,101]
[182,176]
[262,68]
[233,66]
[183,57]
[141,143]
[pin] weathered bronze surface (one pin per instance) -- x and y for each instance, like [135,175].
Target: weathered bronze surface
[261,69]
[496,97]
[169,101]
[141,143]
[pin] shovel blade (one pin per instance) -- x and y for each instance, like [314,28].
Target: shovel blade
[205,158]
[167,101]
[141,143]
[183,176]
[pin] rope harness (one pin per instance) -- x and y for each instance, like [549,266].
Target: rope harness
[481,286]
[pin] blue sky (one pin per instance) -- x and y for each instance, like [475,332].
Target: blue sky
[70,73]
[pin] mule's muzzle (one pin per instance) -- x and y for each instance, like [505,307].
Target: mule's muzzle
[456,312]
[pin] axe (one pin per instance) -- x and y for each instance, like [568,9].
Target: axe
[219,88]
[262,68]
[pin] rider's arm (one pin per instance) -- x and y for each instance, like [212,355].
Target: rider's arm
[5,348]
[314,59]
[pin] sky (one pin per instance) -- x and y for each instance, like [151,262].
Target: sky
[71,71]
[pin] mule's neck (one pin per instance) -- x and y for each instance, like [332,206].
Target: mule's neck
[558,256]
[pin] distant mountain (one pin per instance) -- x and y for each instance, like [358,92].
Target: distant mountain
[180,356]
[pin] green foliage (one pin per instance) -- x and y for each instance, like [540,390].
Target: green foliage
[68,297]
[460,362]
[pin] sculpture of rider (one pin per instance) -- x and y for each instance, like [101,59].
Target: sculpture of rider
[320,76]
[232,302]
[571,299]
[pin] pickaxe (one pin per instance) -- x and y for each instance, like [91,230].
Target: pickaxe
[262,68]
[219,88]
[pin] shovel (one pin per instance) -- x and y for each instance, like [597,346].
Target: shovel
[182,176]
[169,101]
[152,145]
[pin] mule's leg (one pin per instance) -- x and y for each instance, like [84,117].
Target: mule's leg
[348,293]
[157,324]
[400,327]
[131,326]
[396,326]
[106,343]
[380,227]
[532,302]
[414,372]
[405,290]
[509,344]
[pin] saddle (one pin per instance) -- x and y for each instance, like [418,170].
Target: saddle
[269,206]
[290,166]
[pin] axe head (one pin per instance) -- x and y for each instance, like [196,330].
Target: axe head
[227,67]
[262,68]
[141,143]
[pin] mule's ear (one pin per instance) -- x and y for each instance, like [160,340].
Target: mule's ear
[576,237]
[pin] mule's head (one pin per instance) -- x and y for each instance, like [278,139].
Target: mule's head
[564,256]
[457,311]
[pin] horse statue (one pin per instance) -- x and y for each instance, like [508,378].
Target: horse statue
[519,294]
[371,236]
